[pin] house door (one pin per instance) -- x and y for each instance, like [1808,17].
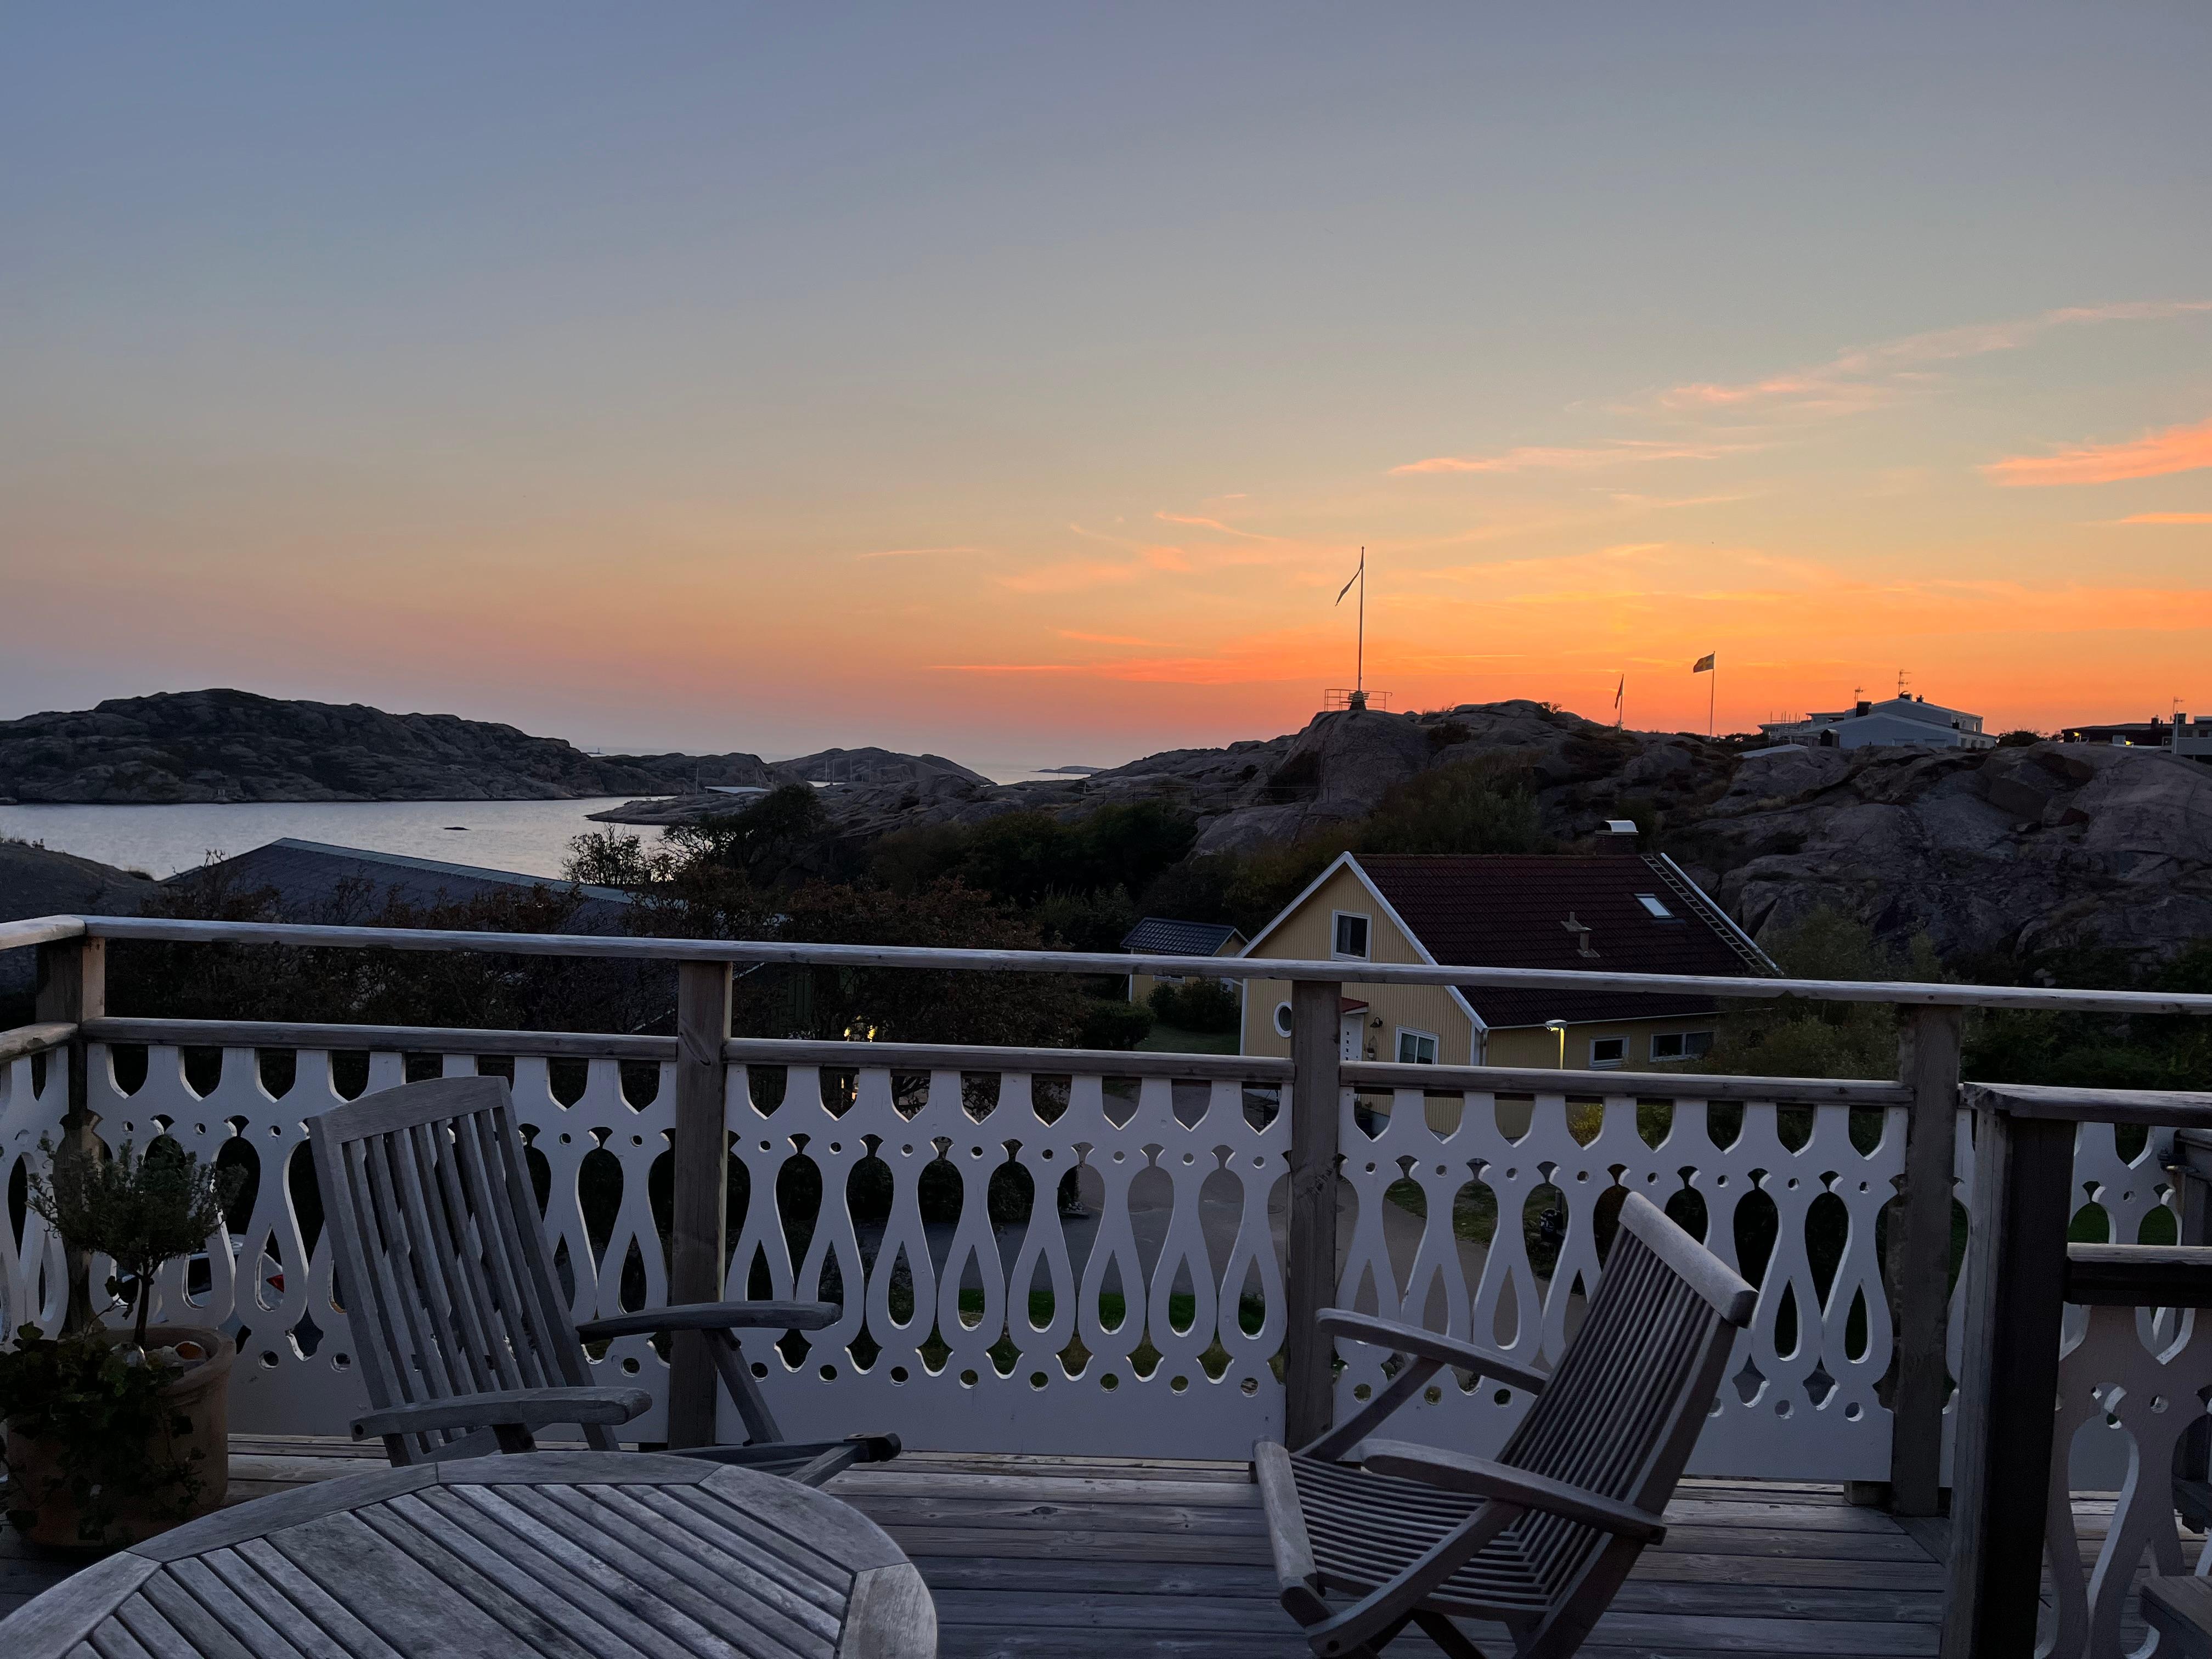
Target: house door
[1352,1030]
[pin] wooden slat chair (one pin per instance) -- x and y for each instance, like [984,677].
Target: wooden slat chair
[1540,1539]
[464,1339]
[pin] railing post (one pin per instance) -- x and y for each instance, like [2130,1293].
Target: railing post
[1919,1260]
[1310,1264]
[2008,1384]
[700,1153]
[73,986]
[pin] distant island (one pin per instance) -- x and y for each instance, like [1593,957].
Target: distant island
[224,746]
[1071,771]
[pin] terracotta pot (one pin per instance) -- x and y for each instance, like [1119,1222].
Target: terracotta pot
[202,1395]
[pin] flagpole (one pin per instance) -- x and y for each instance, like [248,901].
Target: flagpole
[1712,696]
[1359,659]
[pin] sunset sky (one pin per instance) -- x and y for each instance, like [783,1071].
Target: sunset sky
[1020,383]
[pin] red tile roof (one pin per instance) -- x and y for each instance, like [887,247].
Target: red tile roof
[1510,910]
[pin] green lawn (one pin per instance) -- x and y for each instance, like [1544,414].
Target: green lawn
[1169,1040]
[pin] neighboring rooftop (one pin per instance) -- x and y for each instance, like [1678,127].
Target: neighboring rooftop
[1161,936]
[1637,912]
[307,875]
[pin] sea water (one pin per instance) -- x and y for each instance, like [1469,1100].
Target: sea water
[530,836]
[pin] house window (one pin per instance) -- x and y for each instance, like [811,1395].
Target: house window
[1655,907]
[1605,1052]
[1681,1045]
[1282,1019]
[1416,1047]
[1351,935]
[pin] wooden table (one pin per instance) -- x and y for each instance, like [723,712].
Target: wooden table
[567,1555]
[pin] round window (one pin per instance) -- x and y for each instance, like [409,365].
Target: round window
[1282,1019]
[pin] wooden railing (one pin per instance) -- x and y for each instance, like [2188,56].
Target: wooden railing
[1205,1208]
[2133,1367]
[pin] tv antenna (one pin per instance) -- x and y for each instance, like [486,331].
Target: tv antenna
[1901,677]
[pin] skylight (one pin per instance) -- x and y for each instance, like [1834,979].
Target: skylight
[1651,902]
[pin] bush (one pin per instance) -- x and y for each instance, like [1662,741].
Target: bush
[1205,1004]
[1111,1024]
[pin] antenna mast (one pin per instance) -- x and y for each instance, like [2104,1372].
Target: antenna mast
[1360,653]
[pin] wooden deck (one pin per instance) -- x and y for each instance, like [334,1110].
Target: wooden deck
[1081,1556]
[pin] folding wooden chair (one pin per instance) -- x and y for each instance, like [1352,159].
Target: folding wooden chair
[1540,1539]
[464,1339]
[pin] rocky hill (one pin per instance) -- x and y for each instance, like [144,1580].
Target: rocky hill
[2021,851]
[34,882]
[2024,851]
[2018,851]
[221,745]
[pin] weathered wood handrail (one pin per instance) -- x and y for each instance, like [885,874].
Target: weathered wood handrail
[1901,993]
[40,930]
[409,1039]
[1592,1085]
[2157,1109]
[35,1039]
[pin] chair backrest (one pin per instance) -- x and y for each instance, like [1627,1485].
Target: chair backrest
[441,1262]
[1630,1394]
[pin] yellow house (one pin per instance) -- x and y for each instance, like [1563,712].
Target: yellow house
[1160,935]
[1613,911]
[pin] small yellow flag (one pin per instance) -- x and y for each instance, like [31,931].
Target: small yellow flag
[1703,664]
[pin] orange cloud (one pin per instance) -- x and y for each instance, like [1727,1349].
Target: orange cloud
[2166,517]
[1101,639]
[2176,449]
[1535,459]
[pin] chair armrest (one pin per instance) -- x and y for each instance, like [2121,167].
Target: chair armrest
[1429,1345]
[1456,1471]
[715,1316]
[528,1408]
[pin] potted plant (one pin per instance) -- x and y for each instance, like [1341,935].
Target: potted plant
[115,1435]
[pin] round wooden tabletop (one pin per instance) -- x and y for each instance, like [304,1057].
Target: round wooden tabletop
[543,1555]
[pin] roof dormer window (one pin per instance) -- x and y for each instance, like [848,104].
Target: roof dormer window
[1351,936]
[1655,907]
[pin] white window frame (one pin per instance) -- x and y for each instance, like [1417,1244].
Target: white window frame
[1436,1045]
[1681,1040]
[1617,1061]
[1367,924]
[1282,1019]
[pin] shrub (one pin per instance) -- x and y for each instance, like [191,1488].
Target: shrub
[1111,1024]
[1205,1004]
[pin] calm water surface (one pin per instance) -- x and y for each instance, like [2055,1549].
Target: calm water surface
[532,837]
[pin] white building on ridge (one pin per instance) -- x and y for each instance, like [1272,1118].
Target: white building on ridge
[1895,721]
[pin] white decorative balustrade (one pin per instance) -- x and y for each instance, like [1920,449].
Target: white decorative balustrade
[978,1334]
[1800,1401]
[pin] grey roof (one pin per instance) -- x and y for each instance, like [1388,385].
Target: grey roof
[307,874]
[1163,936]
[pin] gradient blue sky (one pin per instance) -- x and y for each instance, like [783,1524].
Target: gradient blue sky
[1018,382]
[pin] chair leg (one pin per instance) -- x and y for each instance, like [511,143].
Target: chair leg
[1447,1635]
[737,1378]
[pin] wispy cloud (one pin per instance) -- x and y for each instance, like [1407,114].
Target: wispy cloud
[2163,518]
[1008,668]
[1530,457]
[1866,377]
[1070,576]
[910,552]
[1101,639]
[2176,449]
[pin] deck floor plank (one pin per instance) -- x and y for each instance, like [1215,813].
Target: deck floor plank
[1086,1557]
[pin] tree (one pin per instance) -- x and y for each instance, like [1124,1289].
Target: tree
[892,1004]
